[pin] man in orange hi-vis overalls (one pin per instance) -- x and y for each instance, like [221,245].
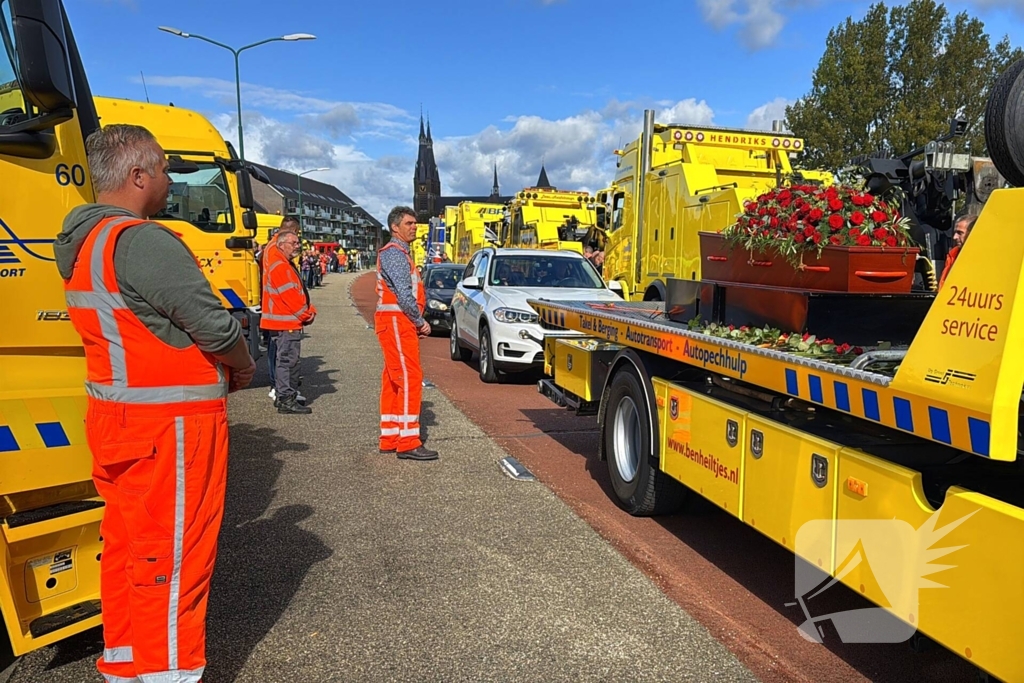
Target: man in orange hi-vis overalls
[157,342]
[399,324]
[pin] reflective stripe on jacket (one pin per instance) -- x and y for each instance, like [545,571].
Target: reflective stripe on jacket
[286,303]
[125,361]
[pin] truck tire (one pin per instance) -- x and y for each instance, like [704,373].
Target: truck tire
[488,373]
[640,488]
[1004,116]
[455,347]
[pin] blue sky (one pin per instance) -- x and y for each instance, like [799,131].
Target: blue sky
[511,82]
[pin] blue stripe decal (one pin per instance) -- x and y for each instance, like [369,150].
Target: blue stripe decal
[842,396]
[7,440]
[815,383]
[792,386]
[980,434]
[904,416]
[232,298]
[871,405]
[53,434]
[939,419]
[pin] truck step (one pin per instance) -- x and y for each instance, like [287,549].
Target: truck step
[64,618]
[43,514]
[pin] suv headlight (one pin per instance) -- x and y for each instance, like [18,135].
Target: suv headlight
[511,315]
[437,305]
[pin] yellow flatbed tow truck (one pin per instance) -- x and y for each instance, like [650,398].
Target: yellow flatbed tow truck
[897,474]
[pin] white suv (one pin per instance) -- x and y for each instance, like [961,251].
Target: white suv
[489,310]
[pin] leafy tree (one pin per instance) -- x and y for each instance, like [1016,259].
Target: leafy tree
[893,80]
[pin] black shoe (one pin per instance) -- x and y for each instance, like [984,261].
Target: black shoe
[291,407]
[387,451]
[420,453]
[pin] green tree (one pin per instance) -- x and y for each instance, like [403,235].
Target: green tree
[893,80]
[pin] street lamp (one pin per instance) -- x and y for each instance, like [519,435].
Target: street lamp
[238,82]
[302,216]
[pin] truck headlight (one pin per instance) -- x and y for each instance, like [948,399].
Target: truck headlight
[511,315]
[437,305]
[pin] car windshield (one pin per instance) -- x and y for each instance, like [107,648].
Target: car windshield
[201,198]
[544,271]
[443,278]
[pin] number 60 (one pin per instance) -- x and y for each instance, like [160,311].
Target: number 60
[67,176]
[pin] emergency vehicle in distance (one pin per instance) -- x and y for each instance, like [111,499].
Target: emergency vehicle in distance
[548,218]
[474,227]
[695,179]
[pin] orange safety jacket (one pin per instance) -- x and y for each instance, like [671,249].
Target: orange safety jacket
[387,302]
[950,260]
[286,305]
[125,362]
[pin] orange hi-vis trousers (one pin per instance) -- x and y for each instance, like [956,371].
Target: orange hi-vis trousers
[401,384]
[162,472]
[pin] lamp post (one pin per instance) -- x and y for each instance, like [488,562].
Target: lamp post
[238,82]
[302,216]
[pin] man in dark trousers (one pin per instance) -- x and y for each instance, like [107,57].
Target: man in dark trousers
[399,324]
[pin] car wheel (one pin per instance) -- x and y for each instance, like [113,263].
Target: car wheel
[640,487]
[488,373]
[455,347]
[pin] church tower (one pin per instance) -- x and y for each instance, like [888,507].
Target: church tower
[495,191]
[426,180]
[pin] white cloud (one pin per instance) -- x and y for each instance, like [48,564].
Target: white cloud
[295,132]
[762,117]
[758,22]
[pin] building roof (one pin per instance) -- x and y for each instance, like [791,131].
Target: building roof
[542,181]
[313,191]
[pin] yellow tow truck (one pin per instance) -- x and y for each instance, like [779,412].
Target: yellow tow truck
[474,227]
[50,514]
[674,181]
[209,205]
[897,471]
[548,218]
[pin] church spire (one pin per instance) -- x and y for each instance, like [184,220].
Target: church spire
[429,139]
[495,192]
[542,181]
[423,136]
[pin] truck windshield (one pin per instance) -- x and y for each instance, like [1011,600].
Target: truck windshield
[544,271]
[201,198]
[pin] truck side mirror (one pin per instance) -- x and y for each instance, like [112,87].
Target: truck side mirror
[42,47]
[245,199]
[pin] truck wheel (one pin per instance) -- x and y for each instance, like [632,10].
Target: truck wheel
[641,489]
[1004,115]
[455,347]
[488,373]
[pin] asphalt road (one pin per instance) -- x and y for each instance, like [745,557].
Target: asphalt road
[732,579]
[340,564]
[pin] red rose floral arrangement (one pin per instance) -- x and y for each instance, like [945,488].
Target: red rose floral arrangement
[792,221]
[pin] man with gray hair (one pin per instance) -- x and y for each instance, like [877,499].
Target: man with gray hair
[158,346]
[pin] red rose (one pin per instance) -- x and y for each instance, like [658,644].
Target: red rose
[857,350]
[799,238]
[857,218]
[854,233]
[890,241]
[808,231]
[835,204]
[761,211]
[880,234]
[835,221]
[772,211]
[815,215]
[816,237]
[842,348]
[784,195]
[784,203]
[835,239]
[879,216]
[773,222]
[864,241]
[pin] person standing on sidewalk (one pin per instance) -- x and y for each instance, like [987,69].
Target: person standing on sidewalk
[399,324]
[288,224]
[156,343]
[286,310]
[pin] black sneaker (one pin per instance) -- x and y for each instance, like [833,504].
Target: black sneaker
[290,406]
[420,453]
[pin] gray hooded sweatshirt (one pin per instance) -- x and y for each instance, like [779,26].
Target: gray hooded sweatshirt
[159,280]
